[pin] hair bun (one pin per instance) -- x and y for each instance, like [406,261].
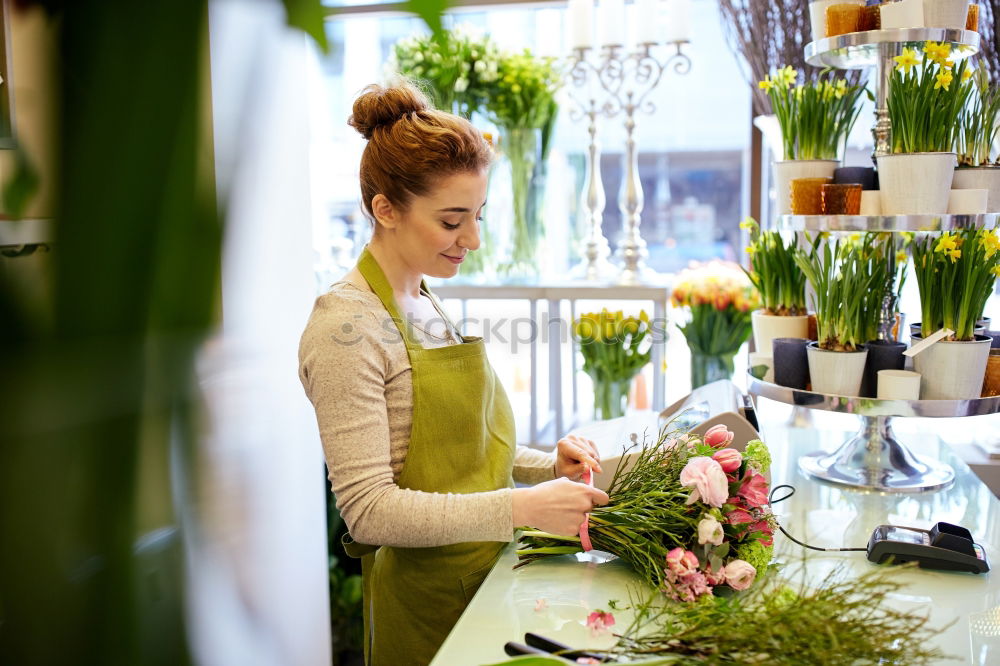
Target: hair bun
[379,106]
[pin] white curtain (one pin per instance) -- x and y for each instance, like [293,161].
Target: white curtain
[258,581]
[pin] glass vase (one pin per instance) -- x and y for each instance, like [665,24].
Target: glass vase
[610,398]
[521,146]
[708,368]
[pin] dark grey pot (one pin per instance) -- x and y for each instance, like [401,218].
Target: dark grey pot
[865,176]
[791,365]
[882,355]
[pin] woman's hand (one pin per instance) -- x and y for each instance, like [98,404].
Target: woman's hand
[558,506]
[574,454]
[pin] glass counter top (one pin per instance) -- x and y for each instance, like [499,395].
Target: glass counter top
[820,514]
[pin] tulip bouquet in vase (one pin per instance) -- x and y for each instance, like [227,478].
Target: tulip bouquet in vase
[956,273]
[690,515]
[719,298]
[615,349]
[781,285]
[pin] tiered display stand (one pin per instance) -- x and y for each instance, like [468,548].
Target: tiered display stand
[874,459]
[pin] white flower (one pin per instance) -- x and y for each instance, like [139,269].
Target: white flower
[418,57]
[710,531]
[435,57]
[479,67]
[461,84]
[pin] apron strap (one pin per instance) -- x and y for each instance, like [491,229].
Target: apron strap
[355,549]
[376,279]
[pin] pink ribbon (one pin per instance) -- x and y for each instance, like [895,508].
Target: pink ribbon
[588,478]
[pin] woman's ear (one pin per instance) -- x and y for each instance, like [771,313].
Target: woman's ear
[385,213]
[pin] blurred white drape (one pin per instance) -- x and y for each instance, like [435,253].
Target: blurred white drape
[258,581]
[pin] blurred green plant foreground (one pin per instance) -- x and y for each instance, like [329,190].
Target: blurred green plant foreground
[98,403]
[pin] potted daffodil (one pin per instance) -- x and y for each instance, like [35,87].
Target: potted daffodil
[927,95]
[815,118]
[974,144]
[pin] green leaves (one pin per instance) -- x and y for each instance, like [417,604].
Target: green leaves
[816,117]
[925,103]
[778,279]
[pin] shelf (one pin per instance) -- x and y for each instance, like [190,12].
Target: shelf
[873,407]
[885,222]
[857,50]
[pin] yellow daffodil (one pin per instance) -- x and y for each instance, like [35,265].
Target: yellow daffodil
[766,84]
[748,224]
[996,271]
[943,79]
[786,76]
[946,243]
[990,243]
[841,89]
[938,52]
[907,60]
[901,256]
[954,255]
[968,73]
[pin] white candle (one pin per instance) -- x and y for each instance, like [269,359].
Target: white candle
[613,22]
[581,24]
[647,25]
[678,21]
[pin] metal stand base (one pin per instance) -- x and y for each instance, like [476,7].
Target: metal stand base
[876,460]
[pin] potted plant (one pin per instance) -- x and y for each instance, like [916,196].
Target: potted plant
[974,144]
[719,298]
[848,276]
[956,273]
[815,119]
[781,285]
[925,103]
[614,349]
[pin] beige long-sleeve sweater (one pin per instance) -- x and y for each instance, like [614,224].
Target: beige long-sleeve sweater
[355,370]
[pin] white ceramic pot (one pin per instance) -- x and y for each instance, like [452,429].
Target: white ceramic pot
[836,373]
[768,327]
[967,202]
[953,370]
[902,14]
[946,13]
[915,183]
[786,170]
[976,178]
[817,14]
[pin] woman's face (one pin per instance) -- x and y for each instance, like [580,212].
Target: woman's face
[439,228]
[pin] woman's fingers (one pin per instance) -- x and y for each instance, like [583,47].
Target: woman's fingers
[580,451]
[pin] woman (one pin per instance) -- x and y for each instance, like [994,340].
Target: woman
[418,433]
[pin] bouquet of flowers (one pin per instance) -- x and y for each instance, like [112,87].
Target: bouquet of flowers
[690,515]
[955,276]
[461,67]
[719,297]
[614,351]
[926,99]
[778,279]
[815,117]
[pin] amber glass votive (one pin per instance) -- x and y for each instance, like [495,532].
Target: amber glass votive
[842,19]
[972,18]
[807,195]
[991,382]
[871,18]
[841,199]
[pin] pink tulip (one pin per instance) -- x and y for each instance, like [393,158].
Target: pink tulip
[709,481]
[740,574]
[730,459]
[718,436]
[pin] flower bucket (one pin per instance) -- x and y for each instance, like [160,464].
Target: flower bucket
[946,14]
[768,327]
[835,372]
[786,170]
[915,183]
[953,370]
[980,178]
[902,14]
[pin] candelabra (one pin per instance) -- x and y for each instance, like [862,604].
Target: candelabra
[625,80]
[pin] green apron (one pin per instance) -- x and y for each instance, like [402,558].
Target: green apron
[462,441]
